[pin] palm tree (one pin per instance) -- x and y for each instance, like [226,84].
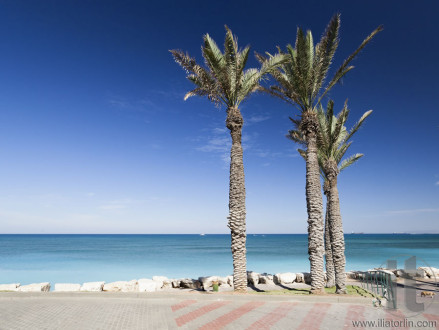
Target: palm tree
[225,82]
[300,82]
[333,142]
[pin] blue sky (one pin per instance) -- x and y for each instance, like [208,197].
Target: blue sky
[95,136]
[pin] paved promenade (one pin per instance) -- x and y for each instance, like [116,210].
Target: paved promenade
[195,310]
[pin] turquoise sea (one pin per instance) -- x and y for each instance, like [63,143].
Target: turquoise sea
[83,258]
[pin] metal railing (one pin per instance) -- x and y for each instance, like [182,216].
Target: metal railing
[380,283]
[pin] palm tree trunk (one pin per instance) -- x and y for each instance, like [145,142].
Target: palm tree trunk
[330,272]
[337,237]
[314,205]
[237,211]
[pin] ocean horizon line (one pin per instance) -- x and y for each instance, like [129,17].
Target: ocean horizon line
[203,234]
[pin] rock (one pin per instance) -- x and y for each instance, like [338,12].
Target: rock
[230,280]
[67,287]
[161,280]
[9,287]
[121,286]
[351,275]
[266,278]
[427,270]
[284,278]
[176,283]
[421,273]
[190,284]
[147,285]
[223,281]
[399,272]
[35,287]
[92,286]
[167,284]
[252,278]
[130,286]
[207,281]
[430,272]
[307,278]
[300,278]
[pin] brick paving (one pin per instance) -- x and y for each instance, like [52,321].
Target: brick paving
[20,311]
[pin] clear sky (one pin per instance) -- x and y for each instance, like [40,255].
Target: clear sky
[95,136]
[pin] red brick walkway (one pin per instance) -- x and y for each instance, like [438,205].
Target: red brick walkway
[261,315]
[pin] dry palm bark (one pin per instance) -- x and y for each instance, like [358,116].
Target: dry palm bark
[330,272]
[309,126]
[237,211]
[336,227]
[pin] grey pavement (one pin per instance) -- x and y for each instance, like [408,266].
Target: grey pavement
[196,310]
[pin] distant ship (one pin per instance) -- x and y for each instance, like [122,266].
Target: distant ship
[202,234]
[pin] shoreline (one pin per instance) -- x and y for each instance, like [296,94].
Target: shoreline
[206,283]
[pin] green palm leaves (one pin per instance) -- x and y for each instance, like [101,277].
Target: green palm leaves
[335,139]
[224,79]
[300,80]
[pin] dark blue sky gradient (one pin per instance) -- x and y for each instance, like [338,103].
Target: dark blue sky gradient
[95,136]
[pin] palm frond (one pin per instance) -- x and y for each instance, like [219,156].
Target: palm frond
[184,60]
[223,79]
[230,50]
[358,124]
[324,53]
[344,68]
[332,141]
[349,161]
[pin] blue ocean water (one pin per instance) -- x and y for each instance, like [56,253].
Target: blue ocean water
[82,258]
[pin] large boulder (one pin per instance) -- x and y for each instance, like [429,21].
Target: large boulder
[188,283]
[147,285]
[284,278]
[207,281]
[121,286]
[306,278]
[9,287]
[266,278]
[167,283]
[162,282]
[223,281]
[430,272]
[67,287]
[300,278]
[176,283]
[252,278]
[35,287]
[92,286]
[351,275]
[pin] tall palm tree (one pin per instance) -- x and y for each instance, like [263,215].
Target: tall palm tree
[300,82]
[224,81]
[332,143]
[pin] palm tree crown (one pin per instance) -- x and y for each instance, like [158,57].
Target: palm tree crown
[300,80]
[334,139]
[224,80]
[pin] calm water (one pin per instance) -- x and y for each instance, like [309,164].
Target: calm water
[81,258]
